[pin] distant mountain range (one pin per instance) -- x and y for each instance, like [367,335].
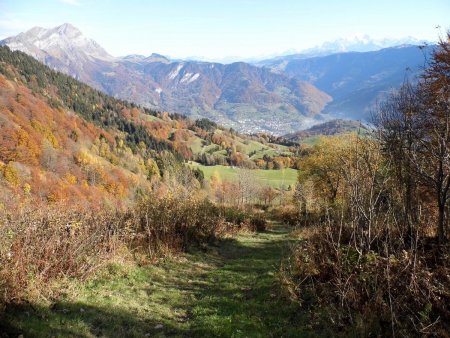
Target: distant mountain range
[359,43]
[279,95]
[355,80]
[355,43]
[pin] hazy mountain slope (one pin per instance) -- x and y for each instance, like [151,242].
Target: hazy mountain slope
[239,95]
[332,127]
[354,80]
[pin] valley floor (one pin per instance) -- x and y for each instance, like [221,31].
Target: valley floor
[227,290]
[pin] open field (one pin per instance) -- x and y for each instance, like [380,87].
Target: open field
[274,178]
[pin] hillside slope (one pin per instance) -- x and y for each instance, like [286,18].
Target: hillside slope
[329,128]
[62,140]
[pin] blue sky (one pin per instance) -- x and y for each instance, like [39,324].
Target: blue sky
[215,29]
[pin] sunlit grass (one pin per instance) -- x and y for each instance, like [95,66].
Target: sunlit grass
[275,178]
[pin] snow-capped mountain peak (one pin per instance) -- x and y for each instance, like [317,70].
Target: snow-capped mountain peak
[64,47]
[65,40]
[359,43]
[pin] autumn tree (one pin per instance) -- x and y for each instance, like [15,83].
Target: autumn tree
[324,166]
[415,130]
[248,186]
[268,195]
[396,122]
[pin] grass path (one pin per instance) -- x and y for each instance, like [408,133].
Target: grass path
[227,290]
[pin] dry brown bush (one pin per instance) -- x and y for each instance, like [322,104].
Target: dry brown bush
[41,245]
[380,292]
[174,222]
[367,269]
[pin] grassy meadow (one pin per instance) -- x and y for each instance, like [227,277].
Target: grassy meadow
[275,178]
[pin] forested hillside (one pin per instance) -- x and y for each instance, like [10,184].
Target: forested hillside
[62,140]
[329,128]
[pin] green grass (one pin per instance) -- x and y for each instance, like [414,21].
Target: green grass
[249,147]
[277,178]
[228,290]
[269,152]
[274,178]
[241,299]
[150,118]
[196,144]
[311,140]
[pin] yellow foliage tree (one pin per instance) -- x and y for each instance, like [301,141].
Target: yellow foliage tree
[324,166]
[11,175]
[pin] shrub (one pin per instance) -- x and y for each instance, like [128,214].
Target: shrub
[288,214]
[248,219]
[40,246]
[391,289]
[173,223]
[234,215]
[258,222]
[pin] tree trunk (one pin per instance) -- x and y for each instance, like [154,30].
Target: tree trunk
[441,222]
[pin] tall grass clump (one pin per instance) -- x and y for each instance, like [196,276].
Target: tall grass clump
[39,246]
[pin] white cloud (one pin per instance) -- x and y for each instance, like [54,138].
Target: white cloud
[71,2]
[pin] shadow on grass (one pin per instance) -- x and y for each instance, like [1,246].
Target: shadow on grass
[78,320]
[227,291]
